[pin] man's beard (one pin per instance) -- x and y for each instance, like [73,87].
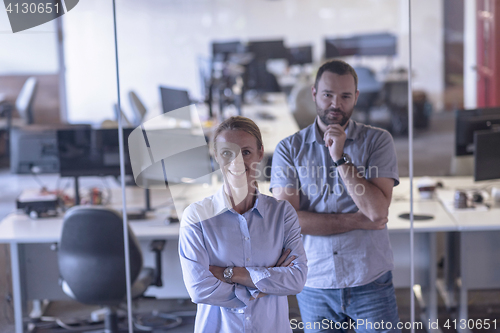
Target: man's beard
[323,116]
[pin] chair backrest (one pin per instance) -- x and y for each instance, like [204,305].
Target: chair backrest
[137,107]
[125,121]
[91,255]
[302,104]
[367,82]
[25,99]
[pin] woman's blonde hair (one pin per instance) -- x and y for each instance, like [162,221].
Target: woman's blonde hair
[242,124]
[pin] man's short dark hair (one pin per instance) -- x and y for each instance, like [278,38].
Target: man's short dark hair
[339,67]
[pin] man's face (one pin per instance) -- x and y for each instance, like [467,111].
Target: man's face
[335,98]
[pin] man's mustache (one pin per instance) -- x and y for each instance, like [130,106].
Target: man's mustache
[334,110]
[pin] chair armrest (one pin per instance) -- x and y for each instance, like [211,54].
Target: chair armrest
[157,247]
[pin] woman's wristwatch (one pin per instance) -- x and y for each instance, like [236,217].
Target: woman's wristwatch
[228,274]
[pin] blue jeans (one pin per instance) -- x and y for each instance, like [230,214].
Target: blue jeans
[371,307]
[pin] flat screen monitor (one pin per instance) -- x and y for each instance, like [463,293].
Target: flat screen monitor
[300,55]
[225,48]
[380,44]
[469,121]
[486,155]
[173,99]
[33,149]
[268,49]
[91,152]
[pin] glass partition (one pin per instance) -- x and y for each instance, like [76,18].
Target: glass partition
[455,121]
[59,126]
[186,66]
[212,60]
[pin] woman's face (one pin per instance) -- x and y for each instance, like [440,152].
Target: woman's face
[238,156]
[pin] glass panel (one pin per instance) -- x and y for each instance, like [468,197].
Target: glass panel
[455,149]
[258,59]
[58,82]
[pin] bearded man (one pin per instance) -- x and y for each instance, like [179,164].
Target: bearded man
[338,174]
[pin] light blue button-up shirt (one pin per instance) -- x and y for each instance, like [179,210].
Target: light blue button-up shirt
[212,233]
[302,161]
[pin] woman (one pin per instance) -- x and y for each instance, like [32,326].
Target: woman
[241,251]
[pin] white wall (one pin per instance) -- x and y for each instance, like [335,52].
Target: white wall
[28,52]
[160,41]
[428,49]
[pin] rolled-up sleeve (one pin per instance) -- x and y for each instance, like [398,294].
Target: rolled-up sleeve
[382,161]
[284,280]
[200,283]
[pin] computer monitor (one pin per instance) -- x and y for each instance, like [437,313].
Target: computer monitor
[469,121]
[486,155]
[173,99]
[379,44]
[33,149]
[224,49]
[300,55]
[91,152]
[268,49]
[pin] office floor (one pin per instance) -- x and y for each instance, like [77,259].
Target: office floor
[483,305]
[433,149]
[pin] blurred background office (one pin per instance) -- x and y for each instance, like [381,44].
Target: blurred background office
[254,58]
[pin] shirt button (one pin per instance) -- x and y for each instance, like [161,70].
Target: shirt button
[335,252]
[247,238]
[248,259]
[264,289]
[247,318]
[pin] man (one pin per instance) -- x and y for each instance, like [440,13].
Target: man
[339,174]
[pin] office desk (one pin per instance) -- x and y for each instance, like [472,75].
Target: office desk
[30,242]
[472,252]
[425,239]
[272,130]
[34,265]
[425,234]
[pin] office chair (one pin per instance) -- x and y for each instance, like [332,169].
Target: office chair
[301,104]
[24,101]
[137,107]
[23,105]
[92,261]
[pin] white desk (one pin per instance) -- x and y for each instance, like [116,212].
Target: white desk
[472,252]
[30,241]
[272,130]
[425,249]
[35,270]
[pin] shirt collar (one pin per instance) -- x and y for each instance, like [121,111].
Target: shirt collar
[222,202]
[313,133]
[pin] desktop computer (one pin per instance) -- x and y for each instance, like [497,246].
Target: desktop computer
[33,149]
[173,99]
[268,49]
[300,55]
[487,155]
[91,152]
[469,121]
[222,50]
[379,44]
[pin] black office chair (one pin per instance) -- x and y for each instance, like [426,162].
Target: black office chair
[92,261]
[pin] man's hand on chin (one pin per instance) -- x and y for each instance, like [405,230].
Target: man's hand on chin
[335,139]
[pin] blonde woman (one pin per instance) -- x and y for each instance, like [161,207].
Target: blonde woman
[241,251]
